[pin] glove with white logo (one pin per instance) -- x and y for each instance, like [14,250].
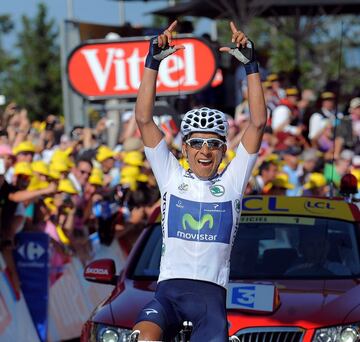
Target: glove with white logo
[157,54]
[244,54]
[244,50]
[160,48]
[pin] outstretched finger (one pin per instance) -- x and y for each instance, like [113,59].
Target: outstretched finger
[168,35]
[172,26]
[233,27]
[224,49]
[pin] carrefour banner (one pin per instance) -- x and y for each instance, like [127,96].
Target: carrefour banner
[14,312]
[32,262]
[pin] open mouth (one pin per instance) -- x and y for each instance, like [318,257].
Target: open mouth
[205,162]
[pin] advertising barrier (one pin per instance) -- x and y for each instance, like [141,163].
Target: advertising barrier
[103,69]
[32,263]
[70,299]
[14,311]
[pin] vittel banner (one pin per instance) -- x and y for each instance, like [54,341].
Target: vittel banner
[103,69]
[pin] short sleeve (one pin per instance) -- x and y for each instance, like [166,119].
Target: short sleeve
[239,170]
[163,163]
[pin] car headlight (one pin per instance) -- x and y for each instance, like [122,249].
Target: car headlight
[112,334]
[348,333]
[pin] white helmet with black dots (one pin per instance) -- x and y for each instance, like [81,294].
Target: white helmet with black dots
[204,120]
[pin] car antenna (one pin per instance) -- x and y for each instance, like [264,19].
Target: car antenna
[336,109]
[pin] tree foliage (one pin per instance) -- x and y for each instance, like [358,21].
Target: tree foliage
[6,26]
[306,49]
[35,80]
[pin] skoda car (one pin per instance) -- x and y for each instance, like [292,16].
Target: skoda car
[295,275]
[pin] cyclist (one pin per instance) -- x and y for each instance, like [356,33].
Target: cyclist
[200,208]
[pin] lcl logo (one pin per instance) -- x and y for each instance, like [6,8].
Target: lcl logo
[31,251]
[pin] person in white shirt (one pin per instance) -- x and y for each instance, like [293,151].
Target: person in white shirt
[200,207]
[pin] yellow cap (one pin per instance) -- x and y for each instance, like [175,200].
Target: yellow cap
[266,84]
[49,202]
[129,181]
[142,177]
[130,171]
[62,157]
[130,175]
[23,168]
[37,184]
[42,126]
[36,125]
[273,157]
[24,146]
[328,95]
[134,158]
[59,167]
[272,78]
[282,181]
[54,174]
[316,180]
[104,153]
[292,92]
[65,185]
[41,167]
[96,177]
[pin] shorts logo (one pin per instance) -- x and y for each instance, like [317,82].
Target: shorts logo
[217,190]
[183,187]
[150,311]
[197,225]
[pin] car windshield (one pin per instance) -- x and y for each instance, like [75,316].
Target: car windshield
[294,247]
[275,247]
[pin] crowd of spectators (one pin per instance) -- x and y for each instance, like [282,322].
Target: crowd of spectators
[73,185]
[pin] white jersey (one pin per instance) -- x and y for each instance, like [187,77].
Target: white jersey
[199,217]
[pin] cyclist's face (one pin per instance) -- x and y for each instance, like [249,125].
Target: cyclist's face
[204,159]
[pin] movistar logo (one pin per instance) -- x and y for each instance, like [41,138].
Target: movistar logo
[197,225]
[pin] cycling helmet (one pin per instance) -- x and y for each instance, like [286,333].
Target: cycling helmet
[204,120]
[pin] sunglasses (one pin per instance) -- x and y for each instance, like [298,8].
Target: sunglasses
[84,172]
[198,143]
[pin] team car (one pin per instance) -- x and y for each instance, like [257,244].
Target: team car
[295,275]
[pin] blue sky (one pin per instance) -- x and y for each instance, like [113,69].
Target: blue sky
[97,11]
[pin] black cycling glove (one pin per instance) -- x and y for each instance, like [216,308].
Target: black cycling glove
[157,54]
[246,55]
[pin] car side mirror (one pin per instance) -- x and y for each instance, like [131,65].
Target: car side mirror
[101,271]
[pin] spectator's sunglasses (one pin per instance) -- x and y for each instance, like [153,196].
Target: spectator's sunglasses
[198,143]
[85,172]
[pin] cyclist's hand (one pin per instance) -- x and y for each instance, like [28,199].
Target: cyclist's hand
[244,50]
[160,48]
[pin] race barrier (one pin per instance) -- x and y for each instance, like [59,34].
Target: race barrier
[49,310]
[13,310]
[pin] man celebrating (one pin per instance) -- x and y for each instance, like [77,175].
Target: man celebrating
[200,208]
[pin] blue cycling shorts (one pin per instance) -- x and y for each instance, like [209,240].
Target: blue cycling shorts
[202,303]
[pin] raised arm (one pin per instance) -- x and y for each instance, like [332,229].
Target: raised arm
[244,52]
[159,49]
